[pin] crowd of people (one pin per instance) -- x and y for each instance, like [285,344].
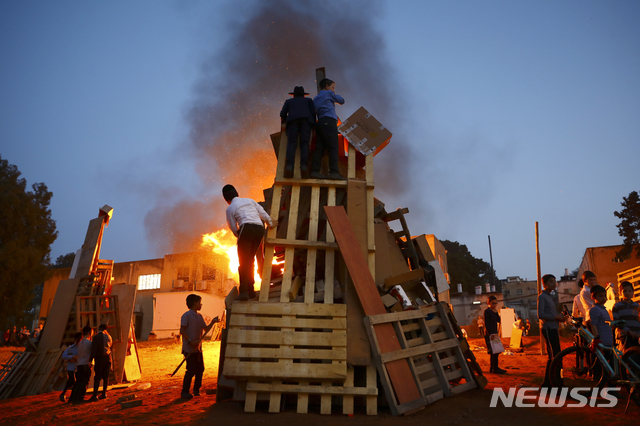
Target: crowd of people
[596,304]
[19,338]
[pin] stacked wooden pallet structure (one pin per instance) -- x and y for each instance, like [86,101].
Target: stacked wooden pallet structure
[310,335]
[87,298]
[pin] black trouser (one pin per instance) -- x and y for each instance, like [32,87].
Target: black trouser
[102,370]
[71,380]
[248,243]
[326,140]
[83,374]
[297,127]
[552,341]
[195,367]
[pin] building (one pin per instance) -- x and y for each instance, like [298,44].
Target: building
[603,262]
[203,271]
[521,295]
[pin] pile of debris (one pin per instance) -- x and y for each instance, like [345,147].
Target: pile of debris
[88,297]
[353,298]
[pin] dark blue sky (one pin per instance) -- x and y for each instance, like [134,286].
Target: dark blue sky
[503,113]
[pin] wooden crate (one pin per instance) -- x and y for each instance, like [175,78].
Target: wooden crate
[286,341]
[433,350]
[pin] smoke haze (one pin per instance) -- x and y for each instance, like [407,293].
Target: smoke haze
[240,91]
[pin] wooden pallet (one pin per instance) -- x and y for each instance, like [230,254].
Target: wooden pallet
[433,351]
[96,310]
[328,392]
[13,372]
[286,341]
[41,370]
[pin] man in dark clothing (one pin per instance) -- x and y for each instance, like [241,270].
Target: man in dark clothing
[299,114]
[101,353]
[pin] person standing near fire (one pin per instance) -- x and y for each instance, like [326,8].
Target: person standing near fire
[299,114]
[326,130]
[245,219]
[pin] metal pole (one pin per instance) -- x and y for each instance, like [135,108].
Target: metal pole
[543,349]
[491,258]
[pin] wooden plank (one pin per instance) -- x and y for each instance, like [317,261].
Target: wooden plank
[58,315]
[234,368]
[400,374]
[288,321]
[287,337]
[90,248]
[329,262]
[358,347]
[330,353]
[126,295]
[301,309]
[316,390]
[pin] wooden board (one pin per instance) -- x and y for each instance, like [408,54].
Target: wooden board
[126,295]
[286,340]
[358,347]
[90,248]
[400,374]
[516,338]
[58,315]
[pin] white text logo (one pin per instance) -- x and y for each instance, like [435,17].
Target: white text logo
[554,397]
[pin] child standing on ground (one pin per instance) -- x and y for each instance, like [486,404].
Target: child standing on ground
[492,327]
[599,316]
[550,318]
[300,114]
[192,329]
[326,130]
[71,356]
[626,309]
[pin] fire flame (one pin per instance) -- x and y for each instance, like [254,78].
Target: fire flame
[223,243]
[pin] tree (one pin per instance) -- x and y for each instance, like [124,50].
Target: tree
[629,226]
[466,269]
[26,234]
[64,261]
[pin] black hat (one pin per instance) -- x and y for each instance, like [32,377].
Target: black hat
[298,91]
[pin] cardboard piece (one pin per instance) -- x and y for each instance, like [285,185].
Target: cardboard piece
[516,338]
[441,280]
[365,132]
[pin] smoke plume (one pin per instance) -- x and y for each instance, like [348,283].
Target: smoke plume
[240,91]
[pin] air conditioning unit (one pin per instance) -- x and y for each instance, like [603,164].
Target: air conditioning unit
[202,285]
[178,283]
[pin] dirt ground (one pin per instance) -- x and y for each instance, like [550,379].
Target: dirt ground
[162,404]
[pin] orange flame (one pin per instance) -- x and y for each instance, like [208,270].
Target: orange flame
[223,243]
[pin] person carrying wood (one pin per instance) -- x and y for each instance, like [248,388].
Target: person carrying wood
[245,218]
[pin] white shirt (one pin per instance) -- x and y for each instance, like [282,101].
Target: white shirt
[242,211]
[586,301]
[577,310]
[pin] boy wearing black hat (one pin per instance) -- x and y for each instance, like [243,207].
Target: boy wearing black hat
[299,114]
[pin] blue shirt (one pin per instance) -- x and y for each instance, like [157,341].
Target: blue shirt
[598,315]
[325,104]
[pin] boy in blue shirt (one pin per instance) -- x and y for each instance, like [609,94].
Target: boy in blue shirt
[326,130]
[598,315]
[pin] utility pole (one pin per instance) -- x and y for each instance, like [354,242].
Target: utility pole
[493,283]
[543,349]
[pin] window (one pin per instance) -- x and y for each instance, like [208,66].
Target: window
[519,291]
[183,274]
[149,282]
[506,292]
[208,273]
[532,291]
